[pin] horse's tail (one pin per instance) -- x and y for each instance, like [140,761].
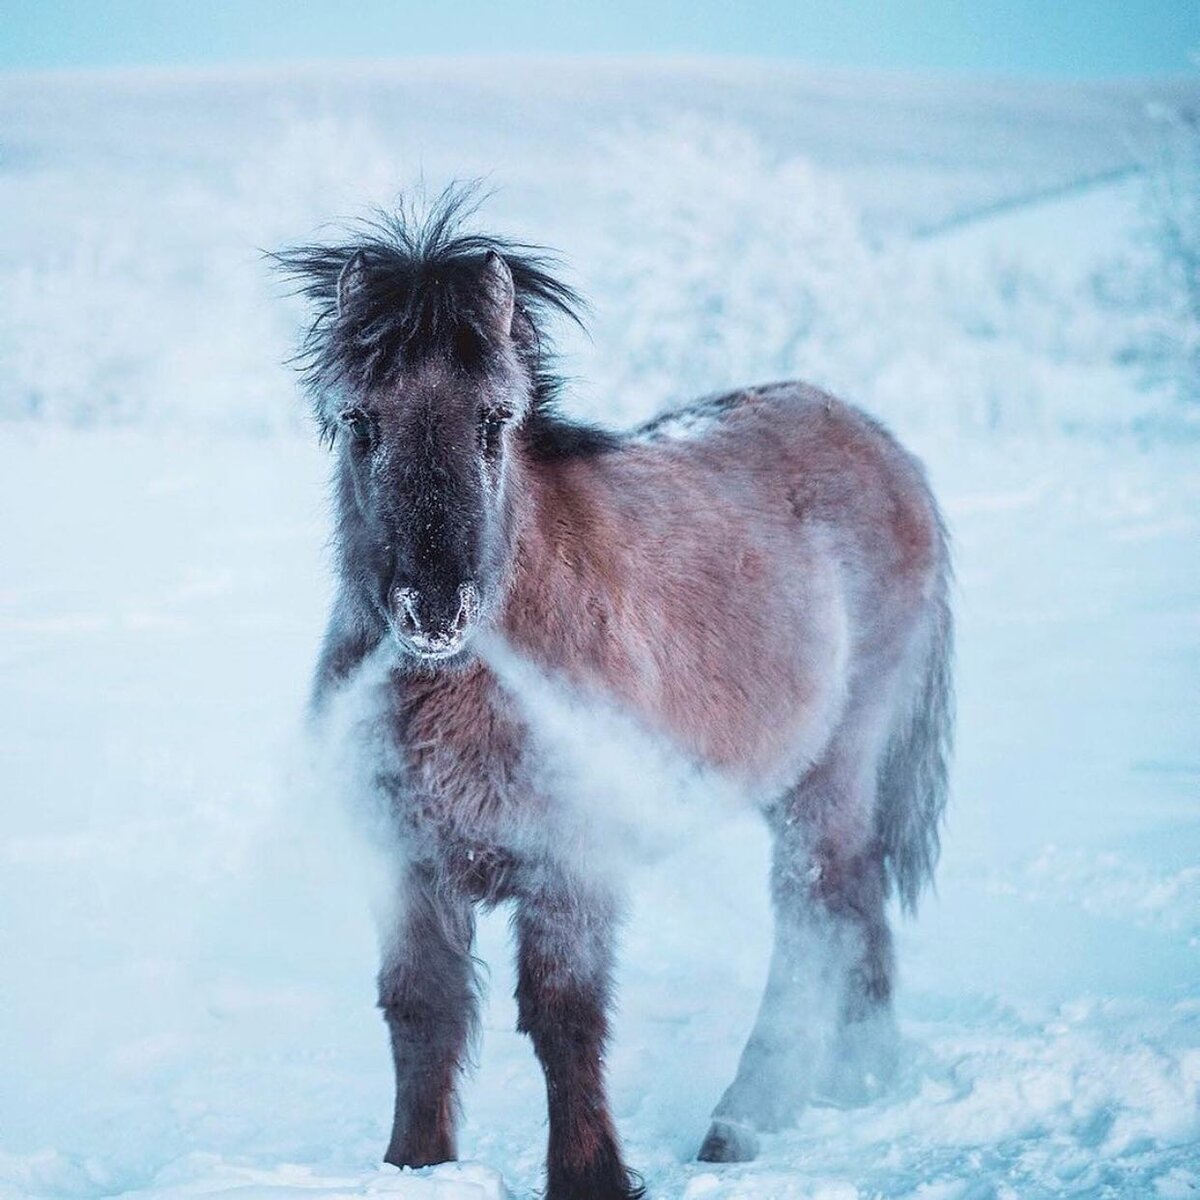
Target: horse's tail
[913,771]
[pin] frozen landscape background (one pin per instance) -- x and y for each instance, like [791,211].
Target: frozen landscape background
[186,957]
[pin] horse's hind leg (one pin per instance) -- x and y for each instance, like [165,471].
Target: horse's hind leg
[861,1057]
[829,986]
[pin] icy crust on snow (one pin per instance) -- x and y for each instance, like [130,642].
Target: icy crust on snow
[199,1175]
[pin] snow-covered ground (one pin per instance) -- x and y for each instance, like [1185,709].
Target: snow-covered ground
[186,958]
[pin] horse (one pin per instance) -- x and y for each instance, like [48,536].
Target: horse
[760,580]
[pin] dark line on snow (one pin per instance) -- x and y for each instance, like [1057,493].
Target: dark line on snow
[1028,200]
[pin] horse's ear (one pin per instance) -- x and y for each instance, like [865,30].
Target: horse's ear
[350,281]
[501,292]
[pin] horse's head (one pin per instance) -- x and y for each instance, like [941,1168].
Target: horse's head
[424,459]
[427,371]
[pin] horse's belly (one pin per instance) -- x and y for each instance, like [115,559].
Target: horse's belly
[762,703]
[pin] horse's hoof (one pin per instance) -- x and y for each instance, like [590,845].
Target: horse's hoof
[729,1142]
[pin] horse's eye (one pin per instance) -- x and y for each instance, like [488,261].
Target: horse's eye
[491,426]
[359,425]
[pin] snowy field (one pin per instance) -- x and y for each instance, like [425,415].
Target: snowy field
[186,957]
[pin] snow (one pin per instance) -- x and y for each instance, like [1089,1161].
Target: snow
[186,954]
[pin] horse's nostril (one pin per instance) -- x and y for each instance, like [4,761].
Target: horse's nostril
[467,604]
[404,610]
[460,621]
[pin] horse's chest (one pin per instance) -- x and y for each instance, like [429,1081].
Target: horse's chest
[463,758]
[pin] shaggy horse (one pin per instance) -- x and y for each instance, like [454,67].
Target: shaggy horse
[760,580]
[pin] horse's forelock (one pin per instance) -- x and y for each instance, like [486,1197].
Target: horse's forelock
[422,291]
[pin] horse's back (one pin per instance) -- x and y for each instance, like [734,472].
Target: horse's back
[790,457]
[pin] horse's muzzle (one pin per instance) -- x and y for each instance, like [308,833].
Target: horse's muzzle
[431,627]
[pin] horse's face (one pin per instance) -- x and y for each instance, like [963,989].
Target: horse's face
[425,497]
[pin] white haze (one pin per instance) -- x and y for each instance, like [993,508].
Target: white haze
[627,794]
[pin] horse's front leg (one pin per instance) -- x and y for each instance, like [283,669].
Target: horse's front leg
[428,996]
[565,955]
[346,646]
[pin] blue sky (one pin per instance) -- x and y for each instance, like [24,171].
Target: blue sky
[1066,38]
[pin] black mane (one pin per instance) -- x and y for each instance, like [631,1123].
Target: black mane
[422,295]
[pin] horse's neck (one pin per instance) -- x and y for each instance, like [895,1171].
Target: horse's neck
[564,562]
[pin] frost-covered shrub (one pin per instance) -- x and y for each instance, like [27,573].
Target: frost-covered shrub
[1173,185]
[319,168]
[1152,288]
[723,265]
[169,314]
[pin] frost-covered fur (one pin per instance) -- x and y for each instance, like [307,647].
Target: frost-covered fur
[766,594]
